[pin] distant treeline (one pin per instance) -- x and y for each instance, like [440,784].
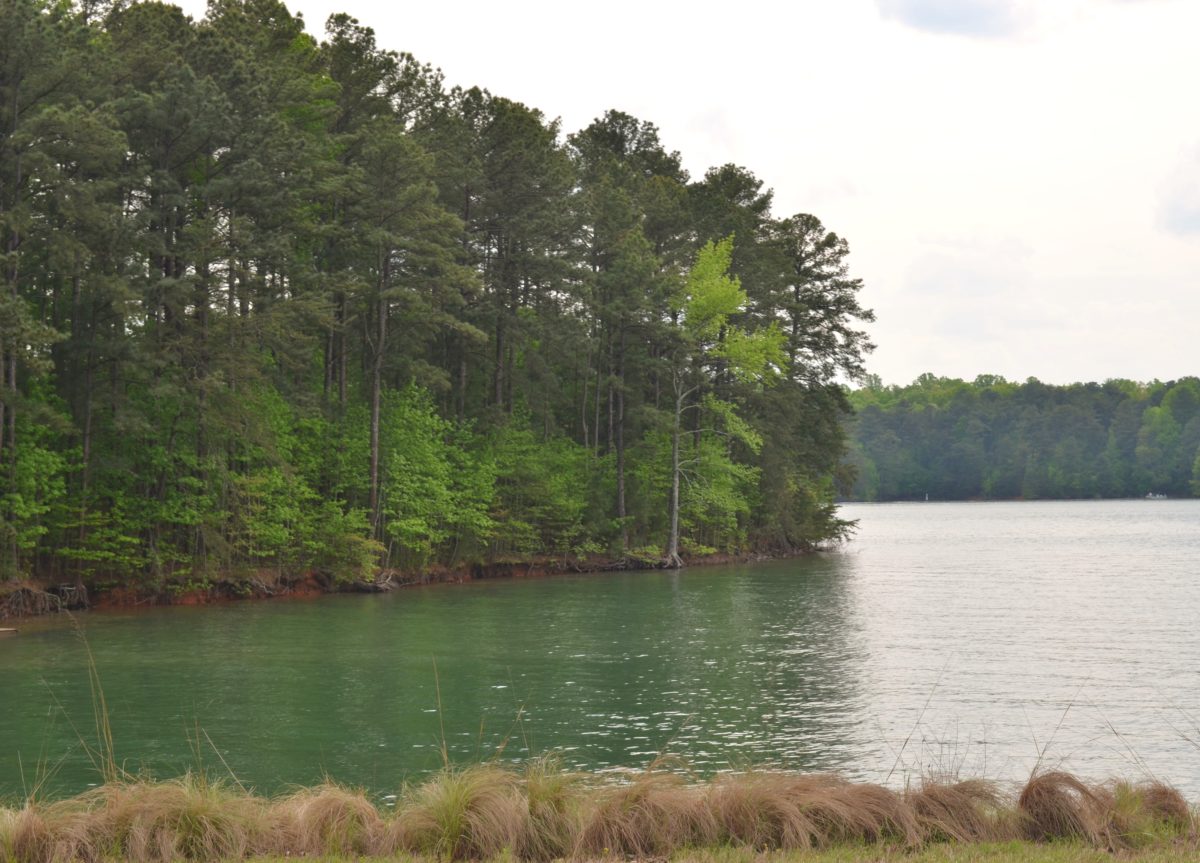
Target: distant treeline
[991,439]
[269,302]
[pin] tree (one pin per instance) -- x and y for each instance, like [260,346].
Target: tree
[816,302]
[705,340]
[409,249]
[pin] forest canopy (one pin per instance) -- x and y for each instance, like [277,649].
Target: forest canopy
[271,301]
[992,439]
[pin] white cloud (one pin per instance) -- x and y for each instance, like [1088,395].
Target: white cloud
[987,18]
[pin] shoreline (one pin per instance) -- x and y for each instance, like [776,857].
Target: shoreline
[228,588]
[542,813]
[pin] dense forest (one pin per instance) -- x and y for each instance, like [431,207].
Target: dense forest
[277,303]
[991,439]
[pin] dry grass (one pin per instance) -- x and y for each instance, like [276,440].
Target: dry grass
[863,813]
[461,814]
[1167,805]
[554,798]
[761,811]
[547,813]
[185,819]
[651,816]
[328,819]
[968,811]
[1144,814]
[1056,805]
[8,821]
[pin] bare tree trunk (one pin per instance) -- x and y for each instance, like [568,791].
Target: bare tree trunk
[585,377]
[327,387]
[498,371]
[462,385]
[620,442]
[673,558]
[596,409]
[339,349]
[376,388]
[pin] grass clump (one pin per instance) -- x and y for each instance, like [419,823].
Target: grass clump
[1146,813]
[761,811]
[971,810]
[554,800]
[51,832]
[8,820]
[1057,805]
[473,813]
[547,813]
[653,815]
[851,812]
[327,819]
[189,818]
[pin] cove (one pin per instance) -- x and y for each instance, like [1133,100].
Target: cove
[978,638]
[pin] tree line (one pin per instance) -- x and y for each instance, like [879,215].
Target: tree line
[993,439]
[269,301]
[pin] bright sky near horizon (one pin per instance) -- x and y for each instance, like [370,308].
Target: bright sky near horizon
[1019,180]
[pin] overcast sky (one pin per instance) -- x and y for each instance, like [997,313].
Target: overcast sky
[1019,182]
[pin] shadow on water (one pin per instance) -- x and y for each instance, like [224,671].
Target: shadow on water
[722,666]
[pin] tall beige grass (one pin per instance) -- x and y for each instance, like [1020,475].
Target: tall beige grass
[8,819]
[554,800]
[189,818]
[474,813]
[327,819]
[971,810]
[651,816]
[761,811]
[545,813]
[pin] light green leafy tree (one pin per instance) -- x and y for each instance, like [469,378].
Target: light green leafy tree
[707,343]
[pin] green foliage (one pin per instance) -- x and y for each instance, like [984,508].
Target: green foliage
[35,484]
[270,302]
[437,492]
[992,439]
[541,494]
[717,499]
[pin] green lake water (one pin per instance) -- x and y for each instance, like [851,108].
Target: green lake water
[976,638]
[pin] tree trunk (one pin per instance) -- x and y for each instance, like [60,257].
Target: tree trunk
[462,385]
[498,372]
[620,443]
[673,558]
[339,345]
[376,388]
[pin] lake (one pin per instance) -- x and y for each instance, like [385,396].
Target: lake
[977,638]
